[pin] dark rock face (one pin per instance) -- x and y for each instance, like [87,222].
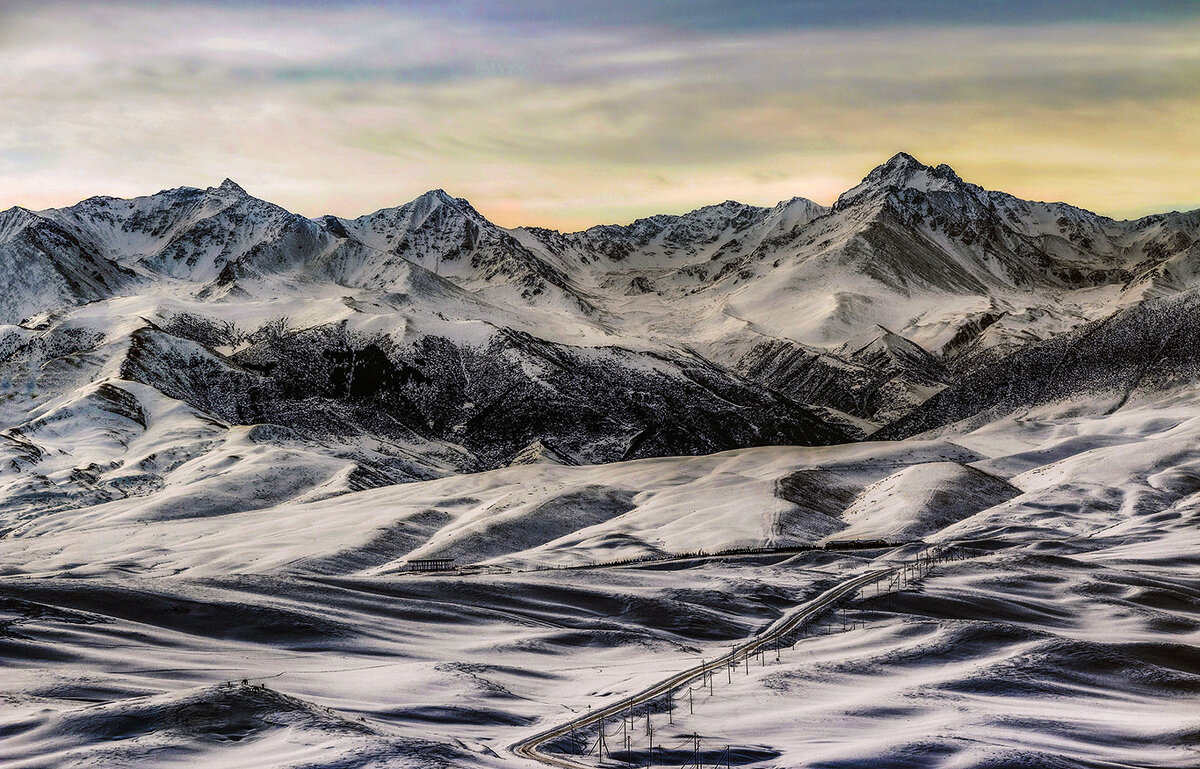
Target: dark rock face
[871,381]
[1154,346]
[591,405]
[608,404]
[812,376]
[367,372]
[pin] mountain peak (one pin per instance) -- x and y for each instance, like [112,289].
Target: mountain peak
[434,198]
[902,171]
[229,187]
[801,204]
[16,218]
[417,211]
[439,196]
[901,160]
[18,211]
[429,201]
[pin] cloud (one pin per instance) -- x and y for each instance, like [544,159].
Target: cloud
[541,118]
[729,16]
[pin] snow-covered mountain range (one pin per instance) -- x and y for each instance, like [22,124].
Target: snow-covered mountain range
[149,342]
[226,432]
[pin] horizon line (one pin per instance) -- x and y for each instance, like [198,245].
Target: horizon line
[1148,211]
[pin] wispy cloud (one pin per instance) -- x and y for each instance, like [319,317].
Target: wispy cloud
[541,115]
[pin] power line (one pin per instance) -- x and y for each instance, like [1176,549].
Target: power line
[822,614]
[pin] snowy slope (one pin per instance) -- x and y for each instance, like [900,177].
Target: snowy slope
[44,267]
[921,500]
[1083,598]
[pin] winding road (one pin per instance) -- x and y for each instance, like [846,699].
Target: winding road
[531,747]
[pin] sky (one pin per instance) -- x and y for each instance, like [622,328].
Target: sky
[567,114]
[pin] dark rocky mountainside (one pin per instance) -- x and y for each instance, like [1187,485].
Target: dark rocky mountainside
[596,405]
[1139,353]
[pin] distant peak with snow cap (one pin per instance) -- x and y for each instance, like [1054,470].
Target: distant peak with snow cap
[438,195]
[903,171]
[229,187]
[428,202]
[433,207]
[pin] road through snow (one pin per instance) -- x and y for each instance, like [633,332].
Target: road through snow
[531,747]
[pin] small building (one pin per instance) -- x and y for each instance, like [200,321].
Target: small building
[431,564]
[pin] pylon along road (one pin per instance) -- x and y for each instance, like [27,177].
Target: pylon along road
[531,747]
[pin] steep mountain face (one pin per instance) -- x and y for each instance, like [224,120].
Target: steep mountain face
[1019,243]
[183,342]
[910,374]
[448,237]
[892,354]
[918,250]
[596,405]
[44,267]
[1139,354]
[539,453]
[877,377]
[682,253]
[810,375]
[196,236]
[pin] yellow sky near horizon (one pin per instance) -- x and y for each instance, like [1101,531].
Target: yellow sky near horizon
[348,109]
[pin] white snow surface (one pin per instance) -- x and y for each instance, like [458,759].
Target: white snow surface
[1072,642]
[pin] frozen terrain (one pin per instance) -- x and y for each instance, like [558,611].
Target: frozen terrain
[1070,640]
[227,432]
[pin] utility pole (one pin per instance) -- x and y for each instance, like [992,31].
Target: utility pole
[691,702]
[670,708]
[602,746]
[699,758]
[650,750]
